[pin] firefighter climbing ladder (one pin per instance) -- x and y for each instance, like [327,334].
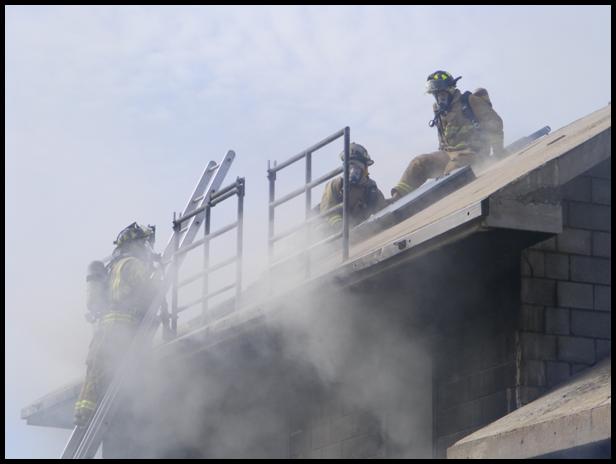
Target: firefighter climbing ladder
[84,441]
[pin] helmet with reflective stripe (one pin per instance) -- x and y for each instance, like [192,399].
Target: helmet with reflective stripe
[440,80]
[358,153]
[136,232]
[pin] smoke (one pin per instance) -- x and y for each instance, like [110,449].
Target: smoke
[339,354]
[111,113]
[369,358]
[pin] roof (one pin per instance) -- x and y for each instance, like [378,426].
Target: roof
[517,193]
[54,409]
[574,414]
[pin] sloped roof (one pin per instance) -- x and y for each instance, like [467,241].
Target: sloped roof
[546,164]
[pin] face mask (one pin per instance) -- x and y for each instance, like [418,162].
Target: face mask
[355,174]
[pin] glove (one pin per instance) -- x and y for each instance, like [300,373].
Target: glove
[395,195]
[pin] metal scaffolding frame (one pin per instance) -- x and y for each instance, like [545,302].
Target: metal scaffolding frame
[236,188]
[306,189]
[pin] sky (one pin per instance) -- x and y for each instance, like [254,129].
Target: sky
[112,113]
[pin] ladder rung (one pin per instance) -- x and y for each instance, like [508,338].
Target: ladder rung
[214,167]
[198,199]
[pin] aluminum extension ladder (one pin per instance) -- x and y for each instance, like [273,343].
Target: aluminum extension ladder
[85,440]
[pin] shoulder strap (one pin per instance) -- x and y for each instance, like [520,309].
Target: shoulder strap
[467,110]
[338,188]
[370,192]
[437,122]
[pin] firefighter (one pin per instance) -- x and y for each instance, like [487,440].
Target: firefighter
[468,129]
[119,295]
[365,198]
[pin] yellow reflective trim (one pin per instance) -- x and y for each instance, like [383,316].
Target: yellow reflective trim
[85,404]
[335,219]
[118,317]
[404,187]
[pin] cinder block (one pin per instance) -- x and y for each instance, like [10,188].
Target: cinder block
[333,451]
[497,349]
[603,348]
[590,216]
[454,393]
[602,191]
[531,318]
[363,446]
[493,406]
[532,373]
[533,263]
[528,394]
[557,372]
[602,244]
[538,291]
[525,269]
[603,298]
[574,295]
[578,189]
[603,170]
[458,418]
[591,324]
[367,424]
[557,321]
[557,266]
[590,269]
[538,346]
[576,350]
[547,245]
[576,241]
[577,368]
[299,444]
[321,435]
[442,443]
[491,380]
[343,427]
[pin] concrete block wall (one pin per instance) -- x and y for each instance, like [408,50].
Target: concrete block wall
[337,431]
[475,384]
[565,312]
[474,364]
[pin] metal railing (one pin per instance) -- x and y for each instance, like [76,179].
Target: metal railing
[306,189]
[237,188]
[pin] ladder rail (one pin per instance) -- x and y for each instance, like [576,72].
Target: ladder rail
[84,441]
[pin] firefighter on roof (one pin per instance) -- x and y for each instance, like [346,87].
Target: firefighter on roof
[468,129]
[365,198]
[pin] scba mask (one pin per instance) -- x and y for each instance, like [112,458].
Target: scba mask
[356,173]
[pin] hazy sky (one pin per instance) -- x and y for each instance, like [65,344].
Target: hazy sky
[111,114]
